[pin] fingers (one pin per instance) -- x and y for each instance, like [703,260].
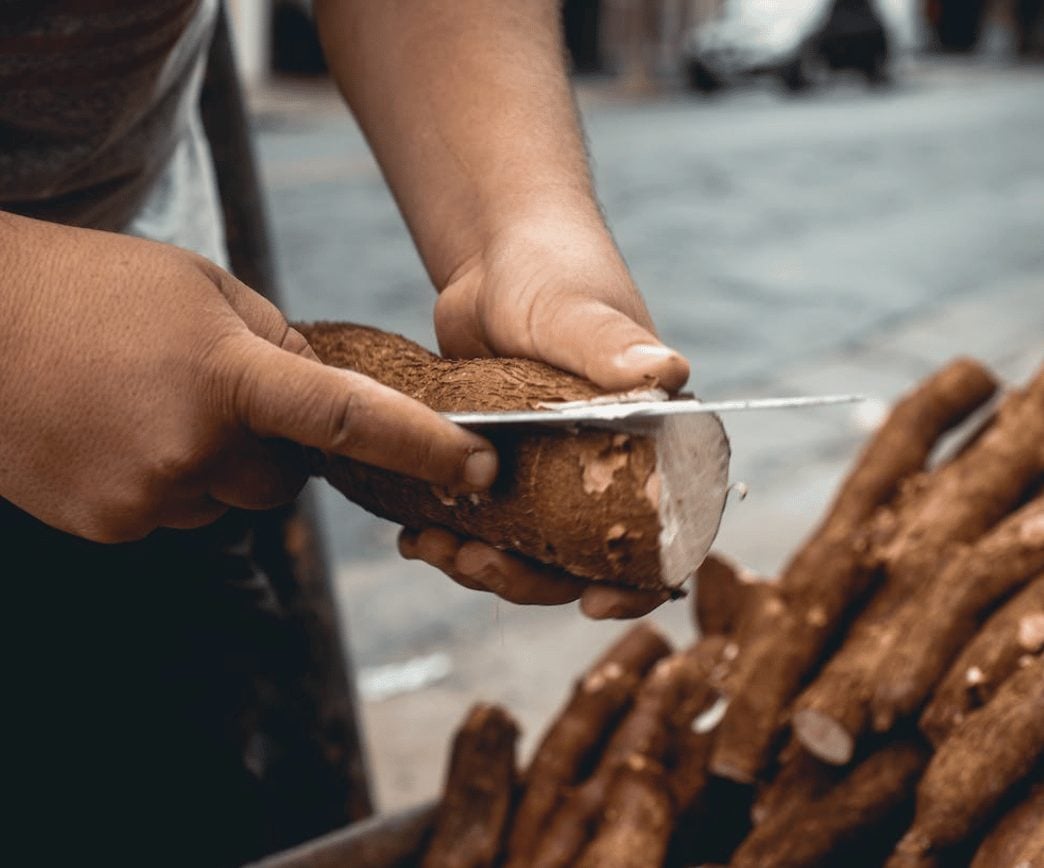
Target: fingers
[259,474]
[277,393]
[480,567]
[437,547]
[602,602]
[188,516]
[514,579]
[591,338]
[262,317]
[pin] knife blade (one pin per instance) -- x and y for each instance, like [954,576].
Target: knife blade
[600,412]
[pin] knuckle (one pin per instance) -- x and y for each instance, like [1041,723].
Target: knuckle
[113,525]
[225,375]
[294,342]
[341,423]
[172,467]
[426,457]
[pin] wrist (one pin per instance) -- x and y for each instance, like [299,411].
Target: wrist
[555,230]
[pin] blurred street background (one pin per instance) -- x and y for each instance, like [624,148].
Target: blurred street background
[846,234]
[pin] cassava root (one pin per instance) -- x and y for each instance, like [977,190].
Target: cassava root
[634,509]
[827,574]
[952,597]
[1009,639]
[913,539]
[476,804]
[995,748]
[598,699]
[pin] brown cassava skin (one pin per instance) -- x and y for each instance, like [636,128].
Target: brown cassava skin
[1015,835]
[722,589]
[958,596]
[852,809]
[1032,853]
[966,497]
[598,700]
[475,809]
[986,756]
[827,574]
[688,776]
[900,859]
[574,500]
[934,514]
[1012,635]
[801,779]
[672,695]
[637,821]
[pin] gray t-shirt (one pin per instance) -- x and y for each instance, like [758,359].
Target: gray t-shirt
[99,119]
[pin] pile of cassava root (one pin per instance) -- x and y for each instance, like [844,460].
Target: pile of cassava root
[880,703]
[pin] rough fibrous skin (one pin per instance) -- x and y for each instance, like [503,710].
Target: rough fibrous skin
[986,756]
[966,497]
[476,804]
[957,596]
[801,779]
[826,575]
[936,513]
[637,820]
[583,501]
[688,775]
[598,699]
[1015,836]
[722,591]
[851,809]
[1011,636]
[676,691]
[901,859]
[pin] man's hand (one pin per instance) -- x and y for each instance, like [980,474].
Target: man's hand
[468,108]
[560,294]
[142,386]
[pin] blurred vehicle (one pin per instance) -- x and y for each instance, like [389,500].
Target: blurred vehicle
[956,24]
[799,41]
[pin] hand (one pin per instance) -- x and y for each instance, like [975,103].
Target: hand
[559,292]
[143,387]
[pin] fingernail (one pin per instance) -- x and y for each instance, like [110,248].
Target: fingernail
[595,609]
[481,566]
[408,544]
[480,469]
[646,352]
[471,560]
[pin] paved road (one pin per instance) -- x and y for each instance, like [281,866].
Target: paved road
[847,241]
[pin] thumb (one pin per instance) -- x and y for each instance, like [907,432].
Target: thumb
[588,337]
[277,393]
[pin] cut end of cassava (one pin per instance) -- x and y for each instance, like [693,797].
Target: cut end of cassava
[692,461]
[823,737]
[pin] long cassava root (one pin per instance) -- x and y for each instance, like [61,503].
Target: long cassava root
[909,716]
[473,816]
[935,515]
[1007,641]
[599,698]
[992,751]
[638,509]
[827,574]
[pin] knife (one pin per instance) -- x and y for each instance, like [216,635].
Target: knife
[636,407]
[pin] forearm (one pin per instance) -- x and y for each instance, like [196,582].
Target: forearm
[468,108]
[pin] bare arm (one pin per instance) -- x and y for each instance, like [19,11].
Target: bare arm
[467,105]
[142,386]
[468,108]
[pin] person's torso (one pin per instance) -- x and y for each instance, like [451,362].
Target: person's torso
[94,95]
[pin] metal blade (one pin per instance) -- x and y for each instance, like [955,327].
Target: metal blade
[600,413]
